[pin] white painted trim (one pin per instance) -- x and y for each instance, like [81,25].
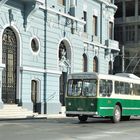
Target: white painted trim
[95,44]
[37,41]
[108,4]
[34,69]
[18,37]
[65,15]
[54,72]
[38,89]
[95,12]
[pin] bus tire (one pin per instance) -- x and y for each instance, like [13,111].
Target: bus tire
[83,118]
[116,114]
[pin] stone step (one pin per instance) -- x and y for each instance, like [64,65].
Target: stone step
[15,111]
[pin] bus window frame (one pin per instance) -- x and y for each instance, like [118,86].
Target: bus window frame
[123,88]
[135,89]
[93,94]
[73,93]
[105,88]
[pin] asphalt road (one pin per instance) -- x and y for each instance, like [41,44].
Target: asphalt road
[69,129]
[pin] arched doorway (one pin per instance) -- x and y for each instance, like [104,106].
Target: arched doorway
[64,65]
[9,58]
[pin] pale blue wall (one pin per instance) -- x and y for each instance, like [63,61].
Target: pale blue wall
[33,66]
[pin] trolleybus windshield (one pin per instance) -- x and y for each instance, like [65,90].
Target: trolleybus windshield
[78,87]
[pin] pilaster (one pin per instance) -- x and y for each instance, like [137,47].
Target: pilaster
[1,68]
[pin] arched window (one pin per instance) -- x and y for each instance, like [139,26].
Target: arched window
[84,62]
[95,64]
[9,58]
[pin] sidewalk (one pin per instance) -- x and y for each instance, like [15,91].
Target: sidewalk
[17,116]
[56,116]
[60,115]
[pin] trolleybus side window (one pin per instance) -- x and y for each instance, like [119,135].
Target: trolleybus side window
[122,88]
[127,88]
[105,87]
[89,87]
[117,87]
[74,87]
[136,89]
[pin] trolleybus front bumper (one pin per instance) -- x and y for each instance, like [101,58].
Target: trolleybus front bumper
[77,113]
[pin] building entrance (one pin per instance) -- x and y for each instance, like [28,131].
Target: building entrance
[9,74]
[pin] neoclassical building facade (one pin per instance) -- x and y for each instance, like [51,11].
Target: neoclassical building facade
[42,41]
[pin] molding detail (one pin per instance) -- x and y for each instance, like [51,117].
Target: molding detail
[30,10]
[40,70]
[66,15]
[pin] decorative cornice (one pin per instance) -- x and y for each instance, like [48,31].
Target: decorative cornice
[65,15]
[35,8]
[30,9]
[95,44]
[108,4]
[31,69]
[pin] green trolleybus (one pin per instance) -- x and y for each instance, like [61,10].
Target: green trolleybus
[92,94]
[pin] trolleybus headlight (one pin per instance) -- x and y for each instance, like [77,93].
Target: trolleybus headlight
[69,103]
[92,104]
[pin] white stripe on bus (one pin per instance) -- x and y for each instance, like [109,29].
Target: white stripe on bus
[124,108]
[127,108]
[106,108]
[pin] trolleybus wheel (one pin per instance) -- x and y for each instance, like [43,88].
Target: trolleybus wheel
[116,114]
[83,118]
